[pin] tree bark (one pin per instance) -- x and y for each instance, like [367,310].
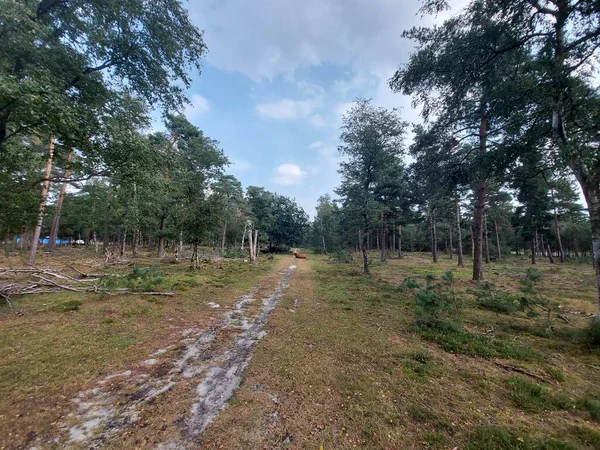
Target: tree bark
[393,246]
[561,252]
[450,238]
[434,250]
[58,206]
[480,200]
[400,254]
[459,246]
[38,227]
[251,247]
[255,245]
[497,240]
[161,239]
[384,252]
[533,245]
[134,242]
[486,241]
[550,257]
[365,254]
[223,233]
[105,240]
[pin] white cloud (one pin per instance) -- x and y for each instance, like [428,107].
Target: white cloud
[198,106]
[286,109]
[288,174]
[316,121]
[316,144]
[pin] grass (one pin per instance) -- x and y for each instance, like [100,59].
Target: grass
[352,370]
[63,343]
[343,364]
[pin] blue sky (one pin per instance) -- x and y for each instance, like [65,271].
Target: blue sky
[280,74]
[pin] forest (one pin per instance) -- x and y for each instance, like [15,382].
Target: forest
[445,295]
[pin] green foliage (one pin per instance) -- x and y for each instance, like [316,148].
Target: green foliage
[593,333]
[437,304]
[410,283]
[234,253]
[531,396]
[70,305]
[484,346]
[342,256]
[491,437]
[488,297]
[593,407]
[533,298]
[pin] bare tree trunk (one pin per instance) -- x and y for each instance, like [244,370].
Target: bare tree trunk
[251,250]
[561,253]
[161,239]
[486,241]
[105,240]
[58,206]
[223,233]
[472,242]
[244,236]
[550,257]
[38,227]
[377,237]
[480,201]
[533,245]
[459,247]
[434,249]
[255,245]
[122,243]
[497,240]
[400,254]
[384,250]
[365,254]
[450,237]
[95,242]
[134,243]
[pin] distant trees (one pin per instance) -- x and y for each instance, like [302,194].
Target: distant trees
[372,139]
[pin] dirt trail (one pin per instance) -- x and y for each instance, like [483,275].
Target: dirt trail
[119,400]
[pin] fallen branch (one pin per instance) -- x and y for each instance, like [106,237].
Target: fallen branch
[523,371]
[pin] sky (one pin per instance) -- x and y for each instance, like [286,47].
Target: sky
[279,75]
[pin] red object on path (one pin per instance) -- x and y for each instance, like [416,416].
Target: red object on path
[299,255]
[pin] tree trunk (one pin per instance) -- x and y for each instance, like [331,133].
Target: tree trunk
[365,254]
[38,227]
[561,252]
[383,238]
[244,236]
[105,240]
[377,237]
[472,242]
[250,247]
[497,240]
[223,233]
[434,250]
[122,243]
[400,255]
[480,201]
[533,245]
[255,245]
[58,206]
[550,257]
[393,246]
[95,242]
[486,241]
[134,243]
[161,239]
[450,237]
[459,246]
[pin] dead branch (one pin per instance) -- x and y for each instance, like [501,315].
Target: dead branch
[523,371]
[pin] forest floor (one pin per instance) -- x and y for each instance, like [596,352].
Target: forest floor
[341,365]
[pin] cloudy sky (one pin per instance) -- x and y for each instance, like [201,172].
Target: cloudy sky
[279,75]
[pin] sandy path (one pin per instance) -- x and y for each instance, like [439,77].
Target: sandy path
[211,365]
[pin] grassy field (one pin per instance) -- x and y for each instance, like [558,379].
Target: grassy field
[60,344]
[344,364]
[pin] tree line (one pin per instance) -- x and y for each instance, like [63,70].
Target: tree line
[78,85]
[511,118]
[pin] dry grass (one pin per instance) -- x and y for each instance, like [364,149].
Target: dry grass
[51,353]
[348,368]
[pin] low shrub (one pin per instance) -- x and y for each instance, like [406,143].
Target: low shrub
[437,305]
[503,302]
[342,256]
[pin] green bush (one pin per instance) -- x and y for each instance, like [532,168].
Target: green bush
[234,254]
[342,256]
[593,333]
[491,437]
[437,305]
[531,396]
[488,297]
[70,305]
